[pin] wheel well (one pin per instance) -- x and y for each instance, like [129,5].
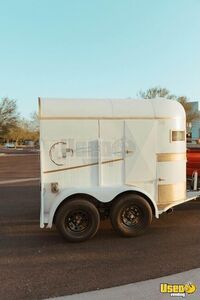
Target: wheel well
[103,208]
[136,193]
[74,196]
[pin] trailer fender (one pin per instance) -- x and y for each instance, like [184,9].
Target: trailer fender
[102,194]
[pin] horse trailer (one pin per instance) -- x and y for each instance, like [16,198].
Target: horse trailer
[123,158]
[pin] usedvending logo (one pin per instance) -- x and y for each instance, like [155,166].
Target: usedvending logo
[178,290]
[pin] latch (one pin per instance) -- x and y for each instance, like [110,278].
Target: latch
[161,179]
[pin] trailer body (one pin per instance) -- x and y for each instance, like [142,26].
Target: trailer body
[102,149]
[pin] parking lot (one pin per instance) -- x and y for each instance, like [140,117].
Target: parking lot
[37,263]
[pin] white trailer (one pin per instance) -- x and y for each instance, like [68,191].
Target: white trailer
[123,158]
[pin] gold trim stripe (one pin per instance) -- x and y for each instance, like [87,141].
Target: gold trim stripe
[169,193]
[83,166]
[162,157]
[106,118]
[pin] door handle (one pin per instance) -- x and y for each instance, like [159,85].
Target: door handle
[161,179]
[129,151]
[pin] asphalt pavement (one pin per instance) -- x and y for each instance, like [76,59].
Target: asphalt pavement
[186,284]
[37,263]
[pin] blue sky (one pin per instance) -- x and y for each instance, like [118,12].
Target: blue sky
[97,48]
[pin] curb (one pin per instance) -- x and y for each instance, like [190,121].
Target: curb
[144,290]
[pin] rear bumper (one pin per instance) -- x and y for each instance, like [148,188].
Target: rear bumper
[190,195]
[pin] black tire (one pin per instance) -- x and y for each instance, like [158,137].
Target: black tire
[77,220]
[131,215]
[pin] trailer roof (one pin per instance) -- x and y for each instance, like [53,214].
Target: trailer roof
[56,108]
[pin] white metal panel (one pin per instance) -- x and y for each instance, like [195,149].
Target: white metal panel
[68,168]
[74,107]
[86,177]
[59,137]
[68,129]
[168,108]
[110,108]
[112,152]
[140,162]
[95,108]
[164,144]
[171,172]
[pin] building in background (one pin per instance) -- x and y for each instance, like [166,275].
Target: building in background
[194,126]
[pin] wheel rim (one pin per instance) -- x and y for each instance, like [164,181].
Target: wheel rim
[77,220]
[131,216]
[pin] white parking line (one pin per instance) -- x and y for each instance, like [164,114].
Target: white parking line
[19,180]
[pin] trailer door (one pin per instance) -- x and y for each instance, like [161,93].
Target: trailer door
[111,134]
[140,154]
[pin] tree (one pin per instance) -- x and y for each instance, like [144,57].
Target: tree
[16,134]
[8,115]
[14,128]
[191,115]
[155,92]
[23,131]
[34,122]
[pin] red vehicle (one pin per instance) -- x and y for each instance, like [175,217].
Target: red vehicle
[193,161]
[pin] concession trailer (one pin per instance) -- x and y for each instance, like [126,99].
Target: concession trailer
[122,158]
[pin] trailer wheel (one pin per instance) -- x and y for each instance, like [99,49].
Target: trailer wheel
[77,220]
[131,215]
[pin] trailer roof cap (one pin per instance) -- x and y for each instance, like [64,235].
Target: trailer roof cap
[109,108]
